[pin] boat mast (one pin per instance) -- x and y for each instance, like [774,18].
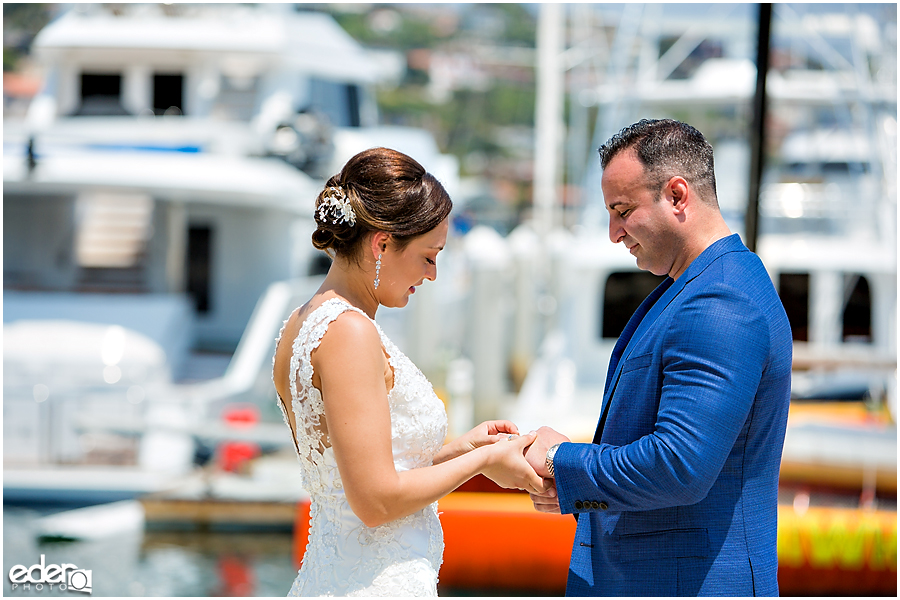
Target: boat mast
[758,127]
[548,117]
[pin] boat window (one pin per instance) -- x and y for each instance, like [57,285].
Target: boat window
[101,95]
[622,295]
[168,92]
[236,99]
[793,289]
[199,266]
[353,105]
[857,316]
[341,102]
[815,170]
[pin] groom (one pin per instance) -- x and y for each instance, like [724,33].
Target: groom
[677,494]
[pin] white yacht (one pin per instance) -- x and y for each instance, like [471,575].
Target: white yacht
[161,181]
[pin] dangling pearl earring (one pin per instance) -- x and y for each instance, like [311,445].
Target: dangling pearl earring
[377,270]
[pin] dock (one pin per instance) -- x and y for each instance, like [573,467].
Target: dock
[161,512]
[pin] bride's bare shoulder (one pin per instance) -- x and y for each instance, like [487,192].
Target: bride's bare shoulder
[350,331]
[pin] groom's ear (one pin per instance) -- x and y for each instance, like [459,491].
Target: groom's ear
[677,191]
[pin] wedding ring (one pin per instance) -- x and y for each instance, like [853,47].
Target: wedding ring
[510,437]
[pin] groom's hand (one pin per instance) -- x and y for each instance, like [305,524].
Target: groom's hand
[536,455]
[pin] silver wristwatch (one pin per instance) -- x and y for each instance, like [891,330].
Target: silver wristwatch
[551,452]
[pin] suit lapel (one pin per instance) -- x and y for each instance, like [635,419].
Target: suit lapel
[634,325]
[630,328]
[649,311]
[647,322]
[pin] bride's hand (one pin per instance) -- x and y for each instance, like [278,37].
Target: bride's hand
[507,467]
[484,434]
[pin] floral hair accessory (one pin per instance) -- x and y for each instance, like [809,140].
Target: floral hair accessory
[337,200]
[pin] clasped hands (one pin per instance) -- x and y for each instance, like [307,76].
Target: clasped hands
[518,461]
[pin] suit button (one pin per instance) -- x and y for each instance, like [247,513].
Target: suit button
[579,505]
[595,505]
[604,505]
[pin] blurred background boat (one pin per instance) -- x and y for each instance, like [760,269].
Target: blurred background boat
[160,181]
[158,193]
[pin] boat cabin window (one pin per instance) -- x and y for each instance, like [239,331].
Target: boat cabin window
[804,171]
[793,289]
[101,95]
[199,266]
[622,295]
[857,316]
[342,102]
[236,99]
[168,93]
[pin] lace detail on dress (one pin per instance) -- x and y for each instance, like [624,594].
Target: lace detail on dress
[343,556]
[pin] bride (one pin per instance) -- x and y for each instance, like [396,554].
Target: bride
[368,428]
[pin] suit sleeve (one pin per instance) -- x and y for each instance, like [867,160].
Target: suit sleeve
[713,356]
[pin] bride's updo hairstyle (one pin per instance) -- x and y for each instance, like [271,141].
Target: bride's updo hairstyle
[377,190]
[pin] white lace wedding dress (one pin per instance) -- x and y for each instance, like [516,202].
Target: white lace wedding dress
[343,556]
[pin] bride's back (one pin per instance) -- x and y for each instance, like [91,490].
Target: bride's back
[343,556]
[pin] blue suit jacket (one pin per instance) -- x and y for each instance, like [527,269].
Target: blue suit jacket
[677,495]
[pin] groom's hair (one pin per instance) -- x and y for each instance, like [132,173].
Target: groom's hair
[667,148]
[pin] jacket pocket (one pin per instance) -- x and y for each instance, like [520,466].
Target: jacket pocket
[638,362]
[670,543]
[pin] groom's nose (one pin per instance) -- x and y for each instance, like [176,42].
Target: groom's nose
[616,231]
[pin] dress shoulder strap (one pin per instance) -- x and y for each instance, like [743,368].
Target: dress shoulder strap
[310,336]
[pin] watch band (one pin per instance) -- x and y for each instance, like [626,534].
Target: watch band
[551,452]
